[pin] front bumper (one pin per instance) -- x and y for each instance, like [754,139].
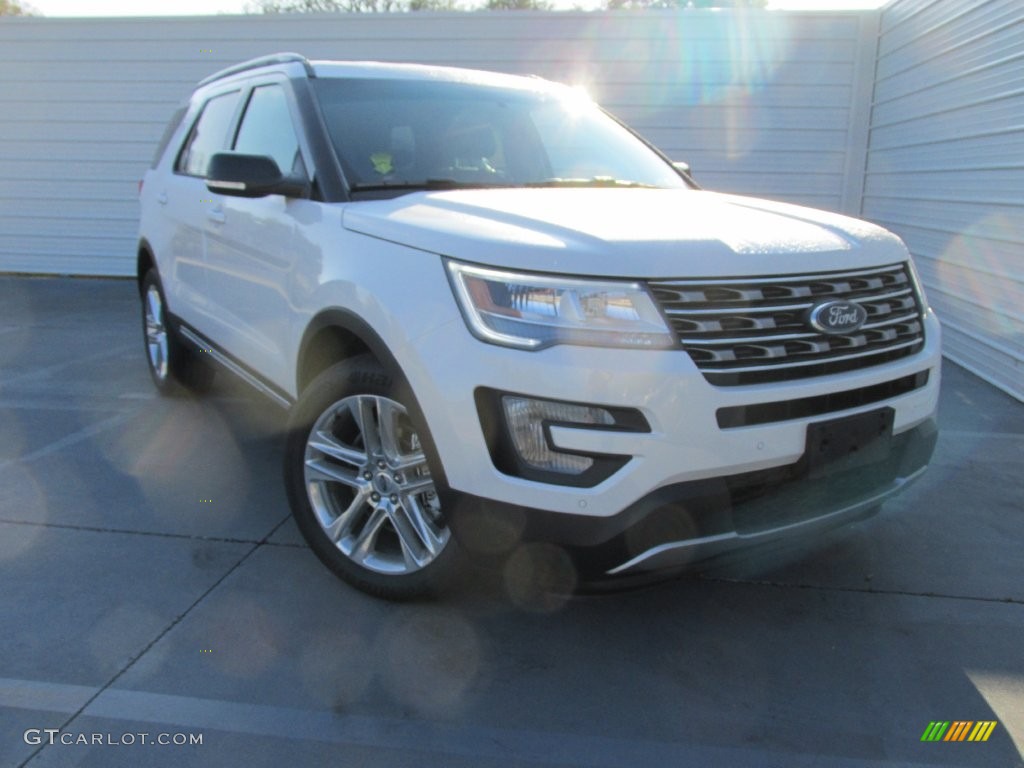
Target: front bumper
[715,468]
[689,523]
[748,511]
[446,368]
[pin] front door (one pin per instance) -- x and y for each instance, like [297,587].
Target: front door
[250,243]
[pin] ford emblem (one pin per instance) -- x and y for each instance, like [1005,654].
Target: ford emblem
[834,317]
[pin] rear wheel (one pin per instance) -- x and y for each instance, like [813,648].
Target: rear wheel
[172,365]
[360,487]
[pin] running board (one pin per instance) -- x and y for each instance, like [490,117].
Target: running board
[234,367]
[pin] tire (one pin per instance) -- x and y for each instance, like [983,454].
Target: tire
[173,367]
[359,485]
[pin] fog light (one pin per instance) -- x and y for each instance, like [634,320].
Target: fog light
[526,419]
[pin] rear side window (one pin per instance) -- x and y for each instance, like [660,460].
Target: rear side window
[209,135]
[267,129]
[172,126]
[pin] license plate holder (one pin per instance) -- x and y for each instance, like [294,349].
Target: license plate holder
[839,445]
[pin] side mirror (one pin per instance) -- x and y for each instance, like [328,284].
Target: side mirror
[684,170]
[232,173]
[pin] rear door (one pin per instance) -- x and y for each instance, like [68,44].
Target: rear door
[188,204]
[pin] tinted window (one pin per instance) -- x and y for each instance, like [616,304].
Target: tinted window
[209,135]
[394,132]
[172,126]
[267,129]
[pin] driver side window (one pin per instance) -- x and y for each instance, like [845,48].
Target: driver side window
[267,129]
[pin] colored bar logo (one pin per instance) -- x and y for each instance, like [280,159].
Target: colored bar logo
[958,730]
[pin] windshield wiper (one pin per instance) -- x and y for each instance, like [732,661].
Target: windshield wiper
[594,181]
[443,184]
[426,184]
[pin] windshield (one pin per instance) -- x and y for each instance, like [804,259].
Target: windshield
[408,134]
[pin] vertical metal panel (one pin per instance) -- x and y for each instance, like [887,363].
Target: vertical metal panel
[760,102]
[945,169]
[860,113]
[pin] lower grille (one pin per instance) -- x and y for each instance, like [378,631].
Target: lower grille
[766,413]
[755,330]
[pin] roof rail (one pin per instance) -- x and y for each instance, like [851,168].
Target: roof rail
[262,61]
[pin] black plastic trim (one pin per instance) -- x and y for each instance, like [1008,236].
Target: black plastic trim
[506,458]
[326,171]
[262,61]
[784,410]
[746,503]
[274,392]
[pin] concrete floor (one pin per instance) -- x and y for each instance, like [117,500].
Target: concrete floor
[152,582]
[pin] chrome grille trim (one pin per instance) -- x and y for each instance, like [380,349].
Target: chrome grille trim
[741,331]
[746,340]
[903,319]
[787,307]
[814,362]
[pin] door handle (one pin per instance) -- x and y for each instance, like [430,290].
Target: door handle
[162,198]
[216,215]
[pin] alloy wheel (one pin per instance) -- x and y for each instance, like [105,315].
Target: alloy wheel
[370,488]
[156,333]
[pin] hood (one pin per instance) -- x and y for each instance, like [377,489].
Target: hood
[625,232]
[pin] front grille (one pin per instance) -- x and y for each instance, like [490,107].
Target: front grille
[755,330]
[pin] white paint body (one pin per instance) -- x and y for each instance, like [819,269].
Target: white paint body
[267,267]
[382,260]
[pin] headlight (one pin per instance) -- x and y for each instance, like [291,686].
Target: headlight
[533,311]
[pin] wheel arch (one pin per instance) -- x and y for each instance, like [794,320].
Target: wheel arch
[332,336]
[337,334]
[144,261]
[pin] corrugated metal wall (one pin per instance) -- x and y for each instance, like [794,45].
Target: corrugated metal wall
[763,103]
[946,169]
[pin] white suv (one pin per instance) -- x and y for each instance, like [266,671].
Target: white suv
[503,322]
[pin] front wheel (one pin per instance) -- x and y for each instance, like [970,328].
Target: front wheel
[360,487]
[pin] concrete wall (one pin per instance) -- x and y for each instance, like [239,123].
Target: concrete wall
[946,169]
[772,104]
